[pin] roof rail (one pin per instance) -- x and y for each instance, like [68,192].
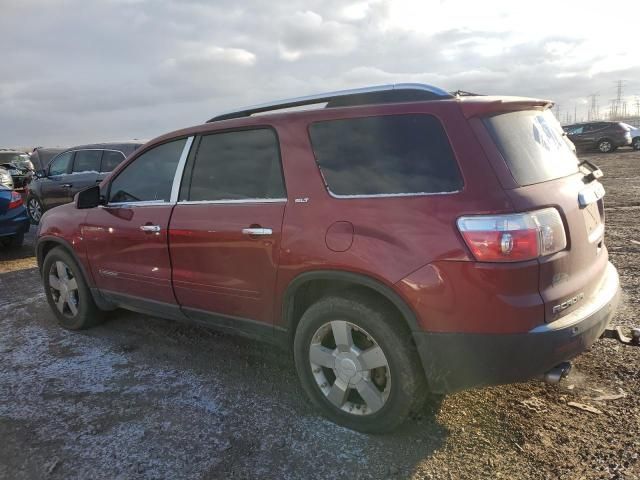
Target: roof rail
[399,92]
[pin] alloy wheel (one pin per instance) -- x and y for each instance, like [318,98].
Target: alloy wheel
[64,289]
[605,146]
[35,211]
[350,368]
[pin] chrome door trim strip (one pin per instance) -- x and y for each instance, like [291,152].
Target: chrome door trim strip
[242,200]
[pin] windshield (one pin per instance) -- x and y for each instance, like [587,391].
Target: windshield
[533,145]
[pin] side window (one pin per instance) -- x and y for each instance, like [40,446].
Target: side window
[237,165]
[575,130]
[110,160]
[60,164]
[150,176]
[385,155]
[86,161]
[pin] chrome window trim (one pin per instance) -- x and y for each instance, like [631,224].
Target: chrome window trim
[391,195]
[177,178]
[142,203]
[240,201]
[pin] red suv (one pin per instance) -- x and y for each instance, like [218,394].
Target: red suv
[400,240]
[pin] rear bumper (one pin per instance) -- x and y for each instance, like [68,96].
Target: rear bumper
[457,361]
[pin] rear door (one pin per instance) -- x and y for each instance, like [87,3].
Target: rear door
[127,238]
[225,231]
[110,160]
[547,174]
[54,191]
[84,172]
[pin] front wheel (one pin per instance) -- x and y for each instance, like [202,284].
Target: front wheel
[357,363]
[636,143]
[67,292]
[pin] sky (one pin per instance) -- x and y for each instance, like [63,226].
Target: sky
[75,72]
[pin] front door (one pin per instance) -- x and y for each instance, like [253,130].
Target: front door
[225,231]
[53,186]
[127,238]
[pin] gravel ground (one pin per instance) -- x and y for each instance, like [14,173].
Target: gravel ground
[140,397]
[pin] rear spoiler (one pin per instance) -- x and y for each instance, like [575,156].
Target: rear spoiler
[484,106]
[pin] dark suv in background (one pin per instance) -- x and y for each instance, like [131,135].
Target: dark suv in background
[73,170]
[603,136]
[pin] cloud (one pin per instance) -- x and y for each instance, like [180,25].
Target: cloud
[75,72]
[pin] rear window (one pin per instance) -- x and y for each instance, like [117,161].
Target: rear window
[386,155]
[533,145]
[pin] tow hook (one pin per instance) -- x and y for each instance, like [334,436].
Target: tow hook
[616,334]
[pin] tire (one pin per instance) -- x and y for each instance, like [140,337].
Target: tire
[636,143]
[605,146]
[76,309]
[393,389]
[14,241]
[35,209]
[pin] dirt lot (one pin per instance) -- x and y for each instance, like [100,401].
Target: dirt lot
[141,397]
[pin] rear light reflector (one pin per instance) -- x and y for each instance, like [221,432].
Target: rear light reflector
[16,200]
[514,237]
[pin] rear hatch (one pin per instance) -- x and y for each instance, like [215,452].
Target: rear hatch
[545,172]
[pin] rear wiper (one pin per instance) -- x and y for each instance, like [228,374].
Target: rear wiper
[594,171]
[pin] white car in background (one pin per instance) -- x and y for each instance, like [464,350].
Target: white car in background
[635,136]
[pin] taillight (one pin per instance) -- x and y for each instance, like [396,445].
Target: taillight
[514,237]
[16,200]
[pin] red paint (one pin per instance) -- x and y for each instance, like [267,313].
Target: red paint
[219,269]
[409,244]
[125,259]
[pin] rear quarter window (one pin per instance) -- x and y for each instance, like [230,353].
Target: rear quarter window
[533,146]
[385,155]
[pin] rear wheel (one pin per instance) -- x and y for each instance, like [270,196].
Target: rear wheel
[67,292]
[357,363]
[34,209]
[636,143]
[605,146]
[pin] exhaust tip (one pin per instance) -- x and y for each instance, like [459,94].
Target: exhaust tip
[557,373]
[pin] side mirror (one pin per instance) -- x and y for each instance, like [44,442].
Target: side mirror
[89,198]
[40,173]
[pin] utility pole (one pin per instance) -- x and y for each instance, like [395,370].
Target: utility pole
[618,109]
[593,113]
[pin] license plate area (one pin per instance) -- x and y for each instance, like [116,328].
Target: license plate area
[593,222]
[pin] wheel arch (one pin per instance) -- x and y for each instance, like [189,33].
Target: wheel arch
[336,281]
[45,244]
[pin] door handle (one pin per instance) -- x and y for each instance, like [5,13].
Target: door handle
[66,185]
[257,231]
[150,228]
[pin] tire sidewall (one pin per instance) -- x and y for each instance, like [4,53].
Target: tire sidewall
[87,314]
[406,376]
